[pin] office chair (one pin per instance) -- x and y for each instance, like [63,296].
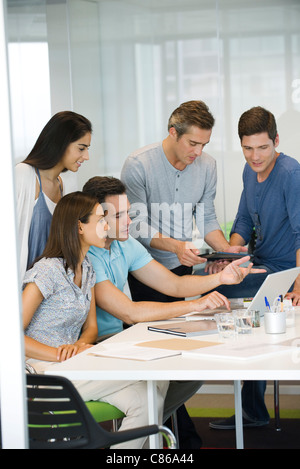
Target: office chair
[59,419]
[101,411]
[104,412]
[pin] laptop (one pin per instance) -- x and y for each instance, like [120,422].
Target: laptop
[274,285]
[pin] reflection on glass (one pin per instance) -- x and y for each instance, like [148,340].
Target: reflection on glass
[30,93]
[132,63]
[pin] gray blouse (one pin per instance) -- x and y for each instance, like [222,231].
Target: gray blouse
[61,315]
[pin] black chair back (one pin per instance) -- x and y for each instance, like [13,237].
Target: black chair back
[59,419]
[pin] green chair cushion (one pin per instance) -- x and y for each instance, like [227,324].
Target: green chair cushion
[102,411]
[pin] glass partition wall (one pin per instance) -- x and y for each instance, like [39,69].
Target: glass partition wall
[126,64]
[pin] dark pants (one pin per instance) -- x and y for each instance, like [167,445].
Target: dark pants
[253,400]
[188,437]
[253,393]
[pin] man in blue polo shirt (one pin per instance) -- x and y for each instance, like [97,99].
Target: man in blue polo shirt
[124,254]
[114,265]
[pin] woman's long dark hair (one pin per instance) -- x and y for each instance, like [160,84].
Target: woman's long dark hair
[64,240]
[62,129]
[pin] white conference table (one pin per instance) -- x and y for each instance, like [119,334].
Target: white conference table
[283,366]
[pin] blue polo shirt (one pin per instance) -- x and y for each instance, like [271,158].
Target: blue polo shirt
[114,265]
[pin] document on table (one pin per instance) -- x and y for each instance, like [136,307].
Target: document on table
[178,344]
[131,351]
[238,351]
[150,350]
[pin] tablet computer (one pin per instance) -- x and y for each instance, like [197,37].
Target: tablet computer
[229,256]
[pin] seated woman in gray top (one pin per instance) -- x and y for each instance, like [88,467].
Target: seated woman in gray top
[59,311]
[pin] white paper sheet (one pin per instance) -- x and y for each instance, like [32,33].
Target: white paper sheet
[130,351]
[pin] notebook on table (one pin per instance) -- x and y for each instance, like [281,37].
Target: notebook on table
[187,328]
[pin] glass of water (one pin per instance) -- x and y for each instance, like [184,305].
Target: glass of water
[243,321]
[225,325]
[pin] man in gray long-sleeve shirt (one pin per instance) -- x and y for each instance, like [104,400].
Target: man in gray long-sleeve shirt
[167,184]
[166,198]
[170,182]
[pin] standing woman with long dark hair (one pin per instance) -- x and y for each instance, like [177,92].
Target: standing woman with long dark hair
[61,146]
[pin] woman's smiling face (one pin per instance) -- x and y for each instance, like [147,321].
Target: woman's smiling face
[76,153]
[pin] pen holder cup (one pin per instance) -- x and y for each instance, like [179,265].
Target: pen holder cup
[275,323]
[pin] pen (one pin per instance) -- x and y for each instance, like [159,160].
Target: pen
[276,304]
[267,304]
[281,302]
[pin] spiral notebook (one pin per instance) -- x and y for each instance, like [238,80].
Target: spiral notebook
[187,328]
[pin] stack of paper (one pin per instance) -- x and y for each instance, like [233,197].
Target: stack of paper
[131,351]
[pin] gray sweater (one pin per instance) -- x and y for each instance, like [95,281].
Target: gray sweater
[164,199]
